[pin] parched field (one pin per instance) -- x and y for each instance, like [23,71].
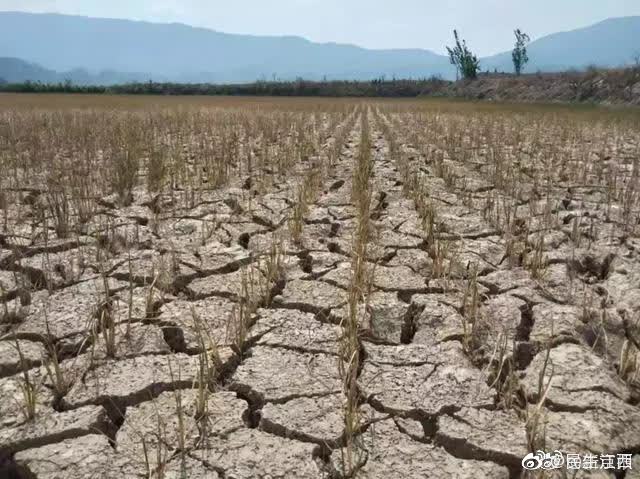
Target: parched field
[261,288]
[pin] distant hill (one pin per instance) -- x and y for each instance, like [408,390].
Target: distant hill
[183,53]
[15,70]
[93,50]
[611,43]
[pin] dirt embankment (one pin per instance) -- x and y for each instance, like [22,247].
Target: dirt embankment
[593,86]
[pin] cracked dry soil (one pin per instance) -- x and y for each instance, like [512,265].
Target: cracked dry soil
[190,326]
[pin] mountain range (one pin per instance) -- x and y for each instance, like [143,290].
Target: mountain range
[55,47]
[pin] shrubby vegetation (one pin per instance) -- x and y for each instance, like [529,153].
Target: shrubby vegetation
[39,87]
[593,85]
[300,87]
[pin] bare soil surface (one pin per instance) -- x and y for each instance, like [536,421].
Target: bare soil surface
[609,87]
[196,327]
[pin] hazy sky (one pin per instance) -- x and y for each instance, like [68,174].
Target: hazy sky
[486,24]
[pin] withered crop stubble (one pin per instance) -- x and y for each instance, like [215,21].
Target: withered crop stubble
[315,288]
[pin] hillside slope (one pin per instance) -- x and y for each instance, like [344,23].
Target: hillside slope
[614,87]
[15,70]
[610,43]
[182,53]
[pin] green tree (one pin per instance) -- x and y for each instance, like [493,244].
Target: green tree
[466,63]
[519,53]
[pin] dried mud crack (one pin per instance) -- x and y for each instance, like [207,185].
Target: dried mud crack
[328,291]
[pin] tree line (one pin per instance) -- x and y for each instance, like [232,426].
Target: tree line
[339,88]
[467,64]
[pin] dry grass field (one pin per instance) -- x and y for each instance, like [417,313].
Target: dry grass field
[312,288]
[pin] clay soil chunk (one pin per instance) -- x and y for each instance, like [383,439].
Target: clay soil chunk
[384,316]
[175,412]
[616,427]
[438,321]
[130,381]
[86,457]
[311,296]
[257,454]
[293,329]
[318,419]
[215,321]
[12,396]
[564,321]
[130,341]
[10,362]
[51,426]
[390,453]
[277,374]
[69,311]
[10,282]
[580,379]
[229,285]
[215,257]
[505,280]
[498,436]
[426,380]
[398,278]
